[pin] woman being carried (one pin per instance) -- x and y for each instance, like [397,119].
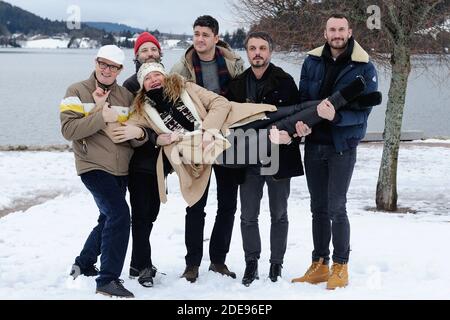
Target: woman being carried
[196,121]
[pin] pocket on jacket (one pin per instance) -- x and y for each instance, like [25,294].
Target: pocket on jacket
[80,148]
[353,142]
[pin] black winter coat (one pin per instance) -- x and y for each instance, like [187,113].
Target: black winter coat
[280,90]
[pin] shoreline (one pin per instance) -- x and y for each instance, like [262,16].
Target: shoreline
[23,204]
[433,142]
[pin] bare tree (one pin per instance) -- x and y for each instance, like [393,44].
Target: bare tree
[402,22]
[291,23]
[405,28]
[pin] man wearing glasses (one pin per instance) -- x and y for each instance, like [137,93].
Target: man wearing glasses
[89,119]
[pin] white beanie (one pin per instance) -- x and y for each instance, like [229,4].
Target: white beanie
[146,68]
[112,53]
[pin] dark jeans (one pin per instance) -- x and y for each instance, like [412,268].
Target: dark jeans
[193,233]
[110,237]
[328,174]
[145,205]
[251,193]
[227,188]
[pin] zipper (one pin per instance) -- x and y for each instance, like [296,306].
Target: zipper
[343,72]
[84,146]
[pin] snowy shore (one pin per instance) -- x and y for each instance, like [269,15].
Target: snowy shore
[47,214]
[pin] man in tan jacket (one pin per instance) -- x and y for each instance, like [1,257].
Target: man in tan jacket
[89,116]
[211,64]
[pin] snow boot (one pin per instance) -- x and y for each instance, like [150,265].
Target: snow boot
[222,269]
[190,273]
[318,272]
[338,277]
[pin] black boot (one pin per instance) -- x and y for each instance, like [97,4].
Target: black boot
[134,272]
[275,271]
[146,277]
[250,273]
[366,101]
[353,89]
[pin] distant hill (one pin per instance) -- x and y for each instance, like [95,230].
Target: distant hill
[16,20]
[113,27]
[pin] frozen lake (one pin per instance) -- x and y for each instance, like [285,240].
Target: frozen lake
[33,82]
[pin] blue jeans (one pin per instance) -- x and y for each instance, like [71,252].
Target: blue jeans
[110,237]
[328,174]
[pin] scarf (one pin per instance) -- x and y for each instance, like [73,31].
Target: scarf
[176,116]
[224,75]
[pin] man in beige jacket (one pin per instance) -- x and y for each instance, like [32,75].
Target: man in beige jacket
[211,64]
[89,116]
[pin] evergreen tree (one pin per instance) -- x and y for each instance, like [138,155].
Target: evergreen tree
[227,38]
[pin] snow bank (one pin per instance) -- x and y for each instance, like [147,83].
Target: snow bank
[393,256]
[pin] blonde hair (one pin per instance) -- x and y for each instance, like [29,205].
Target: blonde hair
[174,85]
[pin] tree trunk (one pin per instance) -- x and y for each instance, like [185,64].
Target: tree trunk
[386,197]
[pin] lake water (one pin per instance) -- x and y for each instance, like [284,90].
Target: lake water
[33,82]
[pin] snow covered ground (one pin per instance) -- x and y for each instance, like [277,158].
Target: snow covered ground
[46,44]
[394,256]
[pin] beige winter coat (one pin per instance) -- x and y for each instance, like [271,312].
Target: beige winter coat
[214,112]
[85,127]
[185,67]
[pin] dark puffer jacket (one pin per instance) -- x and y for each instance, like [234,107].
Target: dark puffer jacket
[280,90]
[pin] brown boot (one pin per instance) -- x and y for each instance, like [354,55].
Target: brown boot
[222,269]
[190,273]
[317,273]
[338,277]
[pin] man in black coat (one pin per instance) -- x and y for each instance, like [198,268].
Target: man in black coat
[142,181]
[264,82]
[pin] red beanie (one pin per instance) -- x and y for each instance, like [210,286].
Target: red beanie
[143,38]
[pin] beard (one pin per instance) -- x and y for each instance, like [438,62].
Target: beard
[342,45]
[151,59]
[259,63]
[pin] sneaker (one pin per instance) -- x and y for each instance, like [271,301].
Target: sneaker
[76,271]
[275,271]
[250,273]
[134,272]
[338,277]
[115,288]
[190,273]
[222,269]
[146,277]
[318,272]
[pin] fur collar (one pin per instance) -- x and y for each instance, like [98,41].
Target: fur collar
[358,54]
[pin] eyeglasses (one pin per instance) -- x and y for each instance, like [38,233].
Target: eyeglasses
[103,66]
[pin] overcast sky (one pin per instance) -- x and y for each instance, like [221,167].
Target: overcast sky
[165,15]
